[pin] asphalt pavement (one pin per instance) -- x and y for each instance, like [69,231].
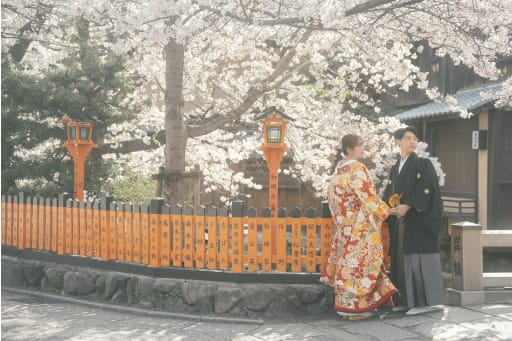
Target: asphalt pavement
[34,315]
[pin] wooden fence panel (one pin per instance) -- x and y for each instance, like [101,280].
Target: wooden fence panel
[266,223]
[21,220]
[165,255]
[310,222]
[237,239]
[159,237]
[96,229]
[128,232]
[296,241]
[105,227]
[327,230]
[222,221]
[89,235]
[177,236]
[120,234]
[4,218]
[75,212]
[144,234]
[83,227]
[188,236]
[54,241]
[155,232]
[68,223]
[252,240]
[28,222]
[35,224]
[211,221]
[280,224]
[113,231]
[15,207]
[61,222]
[44,220]
[137,242]
[200,245]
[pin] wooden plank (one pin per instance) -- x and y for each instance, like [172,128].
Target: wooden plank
[237,242]
[310,240]
[128,232]
[144,234]
[82,227]
[15,221]
[137,243]
[96,230]
[22,210]
[496,238]
[4,218]
[120,256]
[35,224]
[188,234]
[89,229]
[177,235]
[165,238]
[497,279]
[41,224]
[28,222]
[211,221]
[112,217]
[8,218]
[252,240]
[222,221]
[280,223]
[296,225]
[200,246]
[105,227]
[266,223]
[61,219]
[68,223]
[54,242]
[75,227]
[155,232]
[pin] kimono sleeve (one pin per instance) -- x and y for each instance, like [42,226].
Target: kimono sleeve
[364,188]
[424,187]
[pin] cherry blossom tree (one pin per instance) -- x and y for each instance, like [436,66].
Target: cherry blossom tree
[215,64]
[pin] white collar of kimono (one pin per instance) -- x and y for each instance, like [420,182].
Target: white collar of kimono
[345,162]
[402,163]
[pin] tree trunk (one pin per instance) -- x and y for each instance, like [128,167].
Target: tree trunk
[173,189]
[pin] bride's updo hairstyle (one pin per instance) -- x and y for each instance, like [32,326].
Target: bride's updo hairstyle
[350,141]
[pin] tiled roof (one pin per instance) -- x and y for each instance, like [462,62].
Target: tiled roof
[468,99]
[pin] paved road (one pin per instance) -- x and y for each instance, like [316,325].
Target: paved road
[34,316]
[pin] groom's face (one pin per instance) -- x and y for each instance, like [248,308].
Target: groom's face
[408,143]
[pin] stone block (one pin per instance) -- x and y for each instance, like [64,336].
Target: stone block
[78,283]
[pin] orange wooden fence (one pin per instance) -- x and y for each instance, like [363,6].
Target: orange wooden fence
[159,236]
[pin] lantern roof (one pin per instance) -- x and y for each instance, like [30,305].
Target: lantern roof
[83,117]
[274,112]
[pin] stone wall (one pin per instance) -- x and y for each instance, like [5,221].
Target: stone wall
[241,300]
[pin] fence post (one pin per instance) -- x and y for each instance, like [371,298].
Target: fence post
[252,239]
[281,239]
[155,232]
[105,226]
[237,250]
[467,263]
[188,236]
[326,229]
[200,246]
[267,252]
[61,222]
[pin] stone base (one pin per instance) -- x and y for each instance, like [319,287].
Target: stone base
[176,295]
[463,298]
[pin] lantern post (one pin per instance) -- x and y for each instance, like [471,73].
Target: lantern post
[274,148]
[79,144]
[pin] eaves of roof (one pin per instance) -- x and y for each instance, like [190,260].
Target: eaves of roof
[468,99]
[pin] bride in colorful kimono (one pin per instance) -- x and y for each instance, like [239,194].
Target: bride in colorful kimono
[354,264]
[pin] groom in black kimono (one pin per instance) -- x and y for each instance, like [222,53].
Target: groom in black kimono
[414,229]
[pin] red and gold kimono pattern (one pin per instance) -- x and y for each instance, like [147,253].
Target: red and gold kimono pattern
[354,263]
